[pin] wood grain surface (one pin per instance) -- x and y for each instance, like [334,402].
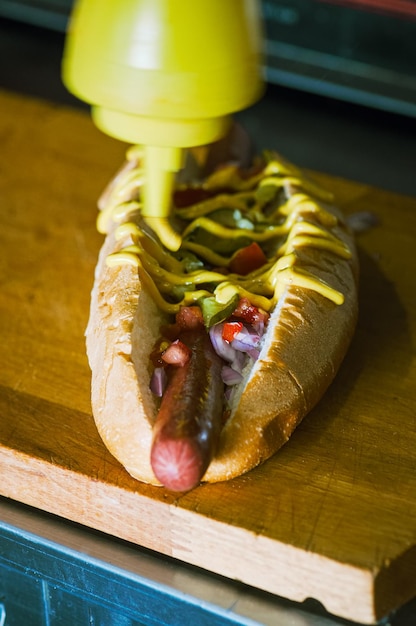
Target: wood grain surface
[332,516]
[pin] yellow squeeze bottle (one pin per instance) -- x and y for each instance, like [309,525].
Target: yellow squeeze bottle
[166,74]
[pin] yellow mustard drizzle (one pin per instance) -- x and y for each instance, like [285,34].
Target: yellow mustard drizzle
[149,245]
[117,213]
[215,259]
[161,273]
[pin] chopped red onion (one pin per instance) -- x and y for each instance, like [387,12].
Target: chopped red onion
[230,376]
[245,340]
[254,353]
[158,381]
[236,353]
[221,347]
[239,361]
[177,353]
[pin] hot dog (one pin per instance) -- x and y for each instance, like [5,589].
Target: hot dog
[205,359]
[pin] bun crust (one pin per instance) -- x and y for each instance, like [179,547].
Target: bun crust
[123,326]
[306,340]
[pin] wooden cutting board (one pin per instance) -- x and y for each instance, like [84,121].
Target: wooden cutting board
[331,517]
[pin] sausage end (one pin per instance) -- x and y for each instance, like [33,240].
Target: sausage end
[177,463]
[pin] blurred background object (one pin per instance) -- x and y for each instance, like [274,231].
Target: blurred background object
[361,51]
[341,77]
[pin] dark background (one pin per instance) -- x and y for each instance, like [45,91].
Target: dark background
[333,136]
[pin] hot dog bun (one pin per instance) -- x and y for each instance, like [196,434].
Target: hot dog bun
[306,340]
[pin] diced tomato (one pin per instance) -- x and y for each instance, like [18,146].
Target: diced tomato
[189,317]
[247,259]
[177,354]
[250,313]
[230,330]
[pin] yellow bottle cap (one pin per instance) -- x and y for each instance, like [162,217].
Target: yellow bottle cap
[166,74]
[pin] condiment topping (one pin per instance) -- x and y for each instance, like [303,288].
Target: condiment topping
[241,240]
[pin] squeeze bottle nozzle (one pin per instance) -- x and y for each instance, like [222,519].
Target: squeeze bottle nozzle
[166,74]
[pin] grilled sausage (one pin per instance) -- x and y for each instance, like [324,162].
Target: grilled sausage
[189,421]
